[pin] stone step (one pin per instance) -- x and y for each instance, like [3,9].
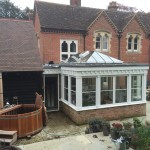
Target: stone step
[8,137]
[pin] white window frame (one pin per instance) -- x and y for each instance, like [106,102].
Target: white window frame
[69,53]
[139,46]
[102,34]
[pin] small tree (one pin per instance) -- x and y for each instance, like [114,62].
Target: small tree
[9,10]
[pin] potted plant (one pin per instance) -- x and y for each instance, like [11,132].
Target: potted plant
[127,125]
[126,134]
[95,125]
[116,128]
[106,128]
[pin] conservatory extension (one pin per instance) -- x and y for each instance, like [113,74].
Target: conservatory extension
[96,85]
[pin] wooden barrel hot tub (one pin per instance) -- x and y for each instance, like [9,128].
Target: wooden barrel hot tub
[26,119]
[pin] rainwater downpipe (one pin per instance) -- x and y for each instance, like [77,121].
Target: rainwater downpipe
[119,43]
[84,35]
[149,48]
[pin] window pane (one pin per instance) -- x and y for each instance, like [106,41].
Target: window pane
[73,84]
[121,89]
[97,45]
[135,43]
[73,90]
[88,84]
[66,88]
[72,47]
[107,83]
[88,91]
[105,42]
[64,47]
[136,88]
[98,42]
[66,94]
[106,90]
[88,99]
[106,97]
[66,82]
[130,43]
[64,57]
[73,97]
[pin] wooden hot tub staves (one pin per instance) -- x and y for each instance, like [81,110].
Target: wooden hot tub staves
[26,119]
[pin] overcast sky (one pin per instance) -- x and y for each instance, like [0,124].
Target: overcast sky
[102,4]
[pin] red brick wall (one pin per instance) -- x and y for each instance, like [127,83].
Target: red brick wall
[103,25]
[50,42]
[81,117]
[50,45]
[142,57]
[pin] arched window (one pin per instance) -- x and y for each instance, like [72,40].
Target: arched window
[68,48]
[98,41]
[136,43]
[105,42]
[72,47]
[130,43]
[64,47]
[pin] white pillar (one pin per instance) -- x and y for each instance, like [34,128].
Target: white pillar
[62,87]
[144,78]
[69,90]
[114,89]
[129,88]
[98,90]
[1,92]
[79,92]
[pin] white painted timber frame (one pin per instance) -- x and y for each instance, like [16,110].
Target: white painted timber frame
[98,72]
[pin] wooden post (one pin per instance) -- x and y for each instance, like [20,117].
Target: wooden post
[1,91]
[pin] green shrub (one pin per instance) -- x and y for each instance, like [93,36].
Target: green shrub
[141,138]
[137,123]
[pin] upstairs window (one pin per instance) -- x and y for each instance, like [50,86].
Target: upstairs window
[134,42]
[68,48]
[105,42]
[64,47]
[98,42]
[130,43]
[102,41]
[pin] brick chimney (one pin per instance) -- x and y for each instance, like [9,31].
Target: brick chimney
[75,2]
[113,6]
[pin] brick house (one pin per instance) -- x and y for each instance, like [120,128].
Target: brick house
[20,63]
[65,30]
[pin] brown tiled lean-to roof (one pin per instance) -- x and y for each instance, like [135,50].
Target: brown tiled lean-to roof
[18,46]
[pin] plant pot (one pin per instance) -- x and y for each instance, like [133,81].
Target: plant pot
[106,130]
[95,128]
[128,142]
[122,145]
[115,135]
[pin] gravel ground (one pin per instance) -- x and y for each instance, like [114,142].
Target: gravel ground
[58,126]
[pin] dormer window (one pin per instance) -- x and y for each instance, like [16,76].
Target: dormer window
[134,42]
[102,41]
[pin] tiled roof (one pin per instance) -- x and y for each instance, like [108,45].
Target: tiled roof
[18,46]
[58,16]
[66,17]
[120,18]
[145,20]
